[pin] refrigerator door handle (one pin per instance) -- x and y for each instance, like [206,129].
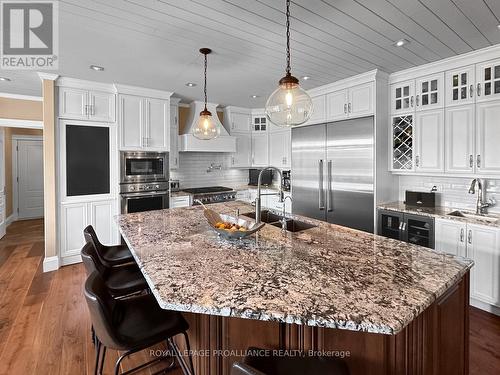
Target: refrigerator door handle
[320,190]
[329,198]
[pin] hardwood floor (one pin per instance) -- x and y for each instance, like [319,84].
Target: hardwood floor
[45,327]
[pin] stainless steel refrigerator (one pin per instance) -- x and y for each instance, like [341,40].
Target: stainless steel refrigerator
[333,172]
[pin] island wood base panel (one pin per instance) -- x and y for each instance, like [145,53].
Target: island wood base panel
[435,343]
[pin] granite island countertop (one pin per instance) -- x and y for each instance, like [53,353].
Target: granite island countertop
[328,276]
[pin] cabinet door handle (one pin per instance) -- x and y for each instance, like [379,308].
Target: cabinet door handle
[478,161]
[469,238]
[471,160]
[462,234]
[417,161]
[471,91]
[349,107]
[86,109]
[411,101]
[417,99]
[175,161]
[478,89]
[345,108]
[400,226]
[232,125]
[232,160]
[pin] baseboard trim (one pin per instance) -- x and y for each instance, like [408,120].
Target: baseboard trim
[10,219]
[485,306]
[50,264]
[72,259]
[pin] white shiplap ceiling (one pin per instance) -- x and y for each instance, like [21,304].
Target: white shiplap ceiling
[154,43]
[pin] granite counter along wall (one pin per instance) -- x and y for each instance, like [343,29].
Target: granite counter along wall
[452,191]
[193,167]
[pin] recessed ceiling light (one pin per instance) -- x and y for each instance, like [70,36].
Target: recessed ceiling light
[401,42]
[97,68]
[254,96]
[4,79]
[190,84]
[498,27]
[305,78]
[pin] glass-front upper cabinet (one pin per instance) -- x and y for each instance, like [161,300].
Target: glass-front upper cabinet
[488,80]
[402,143]
[460,86]
[259,124]
[429,92]
[403,97]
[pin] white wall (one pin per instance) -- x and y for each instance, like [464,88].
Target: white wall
[193,167]
[452,191]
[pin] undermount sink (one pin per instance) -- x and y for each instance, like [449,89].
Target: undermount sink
[276,221]
[471,215]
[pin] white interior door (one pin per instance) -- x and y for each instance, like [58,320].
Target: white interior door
[30,174]
[2,184]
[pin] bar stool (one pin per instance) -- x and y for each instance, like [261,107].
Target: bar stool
[132,325]
[120,281]
[273,365]
[109,255]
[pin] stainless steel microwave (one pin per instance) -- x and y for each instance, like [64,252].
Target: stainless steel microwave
[143,166]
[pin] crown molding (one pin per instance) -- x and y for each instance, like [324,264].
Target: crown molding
[20,97]
[454,62]
[84,84]
[175,101]
[141,91]
[16,123]
[47,76]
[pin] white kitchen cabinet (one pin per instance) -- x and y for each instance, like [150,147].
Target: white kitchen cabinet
[157,124]
[174,136]
[429,92]
[361,100]
[429,131]
[242,157]
[240,122]
[260,154]
[460,86]
[488,137]
[336,105]
[488,81]
[74,219]
[76,216]
[356,101]
[459,139]
[144,123]
[280,149]
[483,246]
[180,201]
[318,115]
[451,237]
[403,97]
[81,104]
[131,113]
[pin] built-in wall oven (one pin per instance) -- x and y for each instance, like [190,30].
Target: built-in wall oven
[143,166]
[144,182]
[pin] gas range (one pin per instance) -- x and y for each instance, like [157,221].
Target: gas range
[211,194]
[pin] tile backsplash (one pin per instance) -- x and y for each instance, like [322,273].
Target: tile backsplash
[452,191]
[193,168]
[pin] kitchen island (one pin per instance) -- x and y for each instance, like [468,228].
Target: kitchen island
[388,307]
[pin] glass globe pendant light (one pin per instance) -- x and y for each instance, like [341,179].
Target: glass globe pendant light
[206,128]
[289,105]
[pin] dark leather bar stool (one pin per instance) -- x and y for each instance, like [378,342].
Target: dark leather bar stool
[132,325]
[272,365]
[120,281]
[109,255]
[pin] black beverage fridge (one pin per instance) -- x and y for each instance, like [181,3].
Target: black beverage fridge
[415,229]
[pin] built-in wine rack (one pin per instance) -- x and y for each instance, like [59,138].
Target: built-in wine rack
[402,142]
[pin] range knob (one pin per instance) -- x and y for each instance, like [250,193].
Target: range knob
[132,188]
[157,186]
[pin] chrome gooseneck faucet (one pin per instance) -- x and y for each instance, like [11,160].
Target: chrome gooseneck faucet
[481,205]
[259,193]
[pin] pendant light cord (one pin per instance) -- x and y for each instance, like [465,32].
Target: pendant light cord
[288,37]
[205,88]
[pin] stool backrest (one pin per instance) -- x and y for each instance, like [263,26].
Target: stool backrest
[103,311]
[91,260]
[91,236]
